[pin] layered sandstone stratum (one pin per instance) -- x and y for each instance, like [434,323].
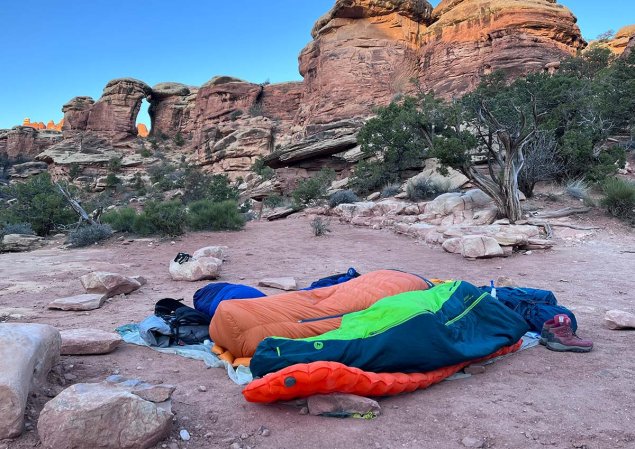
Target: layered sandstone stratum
[363,54]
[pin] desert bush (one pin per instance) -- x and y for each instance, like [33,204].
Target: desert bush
[205,215]
[114,164]
[178,140]
[320,227]
[39,203]
[619,198]
[199,186]
[17,228]
[262,170]
[424,189]
[577,189]
[310,191]
[163,218]
[273,201]
[88,235]
[112,180]
[390,189]
[343,197]
[121,219]
[74,170]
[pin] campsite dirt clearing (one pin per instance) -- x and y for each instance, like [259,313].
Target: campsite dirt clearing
[533,399]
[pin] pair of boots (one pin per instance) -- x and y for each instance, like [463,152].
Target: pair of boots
[557,335]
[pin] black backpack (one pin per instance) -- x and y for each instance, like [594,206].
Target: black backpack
[188,325]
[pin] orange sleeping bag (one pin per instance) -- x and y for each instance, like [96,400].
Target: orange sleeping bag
[240,325]
[306,379]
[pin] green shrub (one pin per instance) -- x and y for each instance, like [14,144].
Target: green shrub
[199,186]
[178,140]
[121,219]
[74,170]
[39,203]
[273,201]
[17,228]
[391,189]
[262,170]
[163,218]
[619,198]
[343,197]
[114,164]
[112,180]
[370,176]
[88,235]
[205,215]
[310,191]
[320,226]
[577,189]
[423,189]
[146,153]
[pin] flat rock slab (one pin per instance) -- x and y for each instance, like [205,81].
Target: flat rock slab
[27,353]
[109,284]
[341,404]
[89,342]
[618,319]
[103,415]
[288,284]
[79,302]
[17,243]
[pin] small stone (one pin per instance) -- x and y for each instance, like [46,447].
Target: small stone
[208,435]
[235,446]
[265,432]
[244,436]
[202,388]
[472,442]
[304,411]
[618,319]
[338,403]
[79,302]
[185,435]
[284,283]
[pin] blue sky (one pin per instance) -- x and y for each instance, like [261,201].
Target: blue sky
[53,51]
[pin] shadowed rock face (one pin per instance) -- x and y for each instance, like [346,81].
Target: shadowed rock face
[26,142]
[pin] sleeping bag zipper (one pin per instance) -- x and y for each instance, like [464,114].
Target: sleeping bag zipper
[466,311]
[311,320]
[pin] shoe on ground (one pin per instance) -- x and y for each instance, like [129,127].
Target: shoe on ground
[561,338]
[557,320]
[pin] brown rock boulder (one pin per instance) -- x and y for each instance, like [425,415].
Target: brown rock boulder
[471,38]
[109,284]
[169,107]
[88,342]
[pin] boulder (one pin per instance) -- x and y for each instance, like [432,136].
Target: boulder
[196,269]
[279,212]
[618,319]
[17,243]
[453,245]
[219,252]
[109,284]
[79,303]
[88,342]
[284,283]
[479,247]
[341,404]
[114,416]
[27,353]
[157,393]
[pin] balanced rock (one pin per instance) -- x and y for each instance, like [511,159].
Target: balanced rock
[16,243]
[88,342]
[284,283]
[618,319]
[157,393]
[340,404]
[109,284]
[196,269]
[79,302]
[104,415]
[27,353]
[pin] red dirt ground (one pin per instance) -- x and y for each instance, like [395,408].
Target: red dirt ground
[533,399]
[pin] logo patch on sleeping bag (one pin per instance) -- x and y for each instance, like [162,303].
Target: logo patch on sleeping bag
[318,345]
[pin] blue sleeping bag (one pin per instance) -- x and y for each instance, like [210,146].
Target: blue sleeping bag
[208,298]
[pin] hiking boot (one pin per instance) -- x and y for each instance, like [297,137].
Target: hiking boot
[561,338]
[557,320]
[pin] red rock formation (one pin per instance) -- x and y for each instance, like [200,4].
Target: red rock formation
[470,38]
[113,116]
[142,130]
[26,141]
[363,53]
[622,39]
[170,104]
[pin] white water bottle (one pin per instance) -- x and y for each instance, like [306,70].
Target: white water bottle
[493,293]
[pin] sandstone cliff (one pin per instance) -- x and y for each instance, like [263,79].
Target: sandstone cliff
[623,38]
[363,54]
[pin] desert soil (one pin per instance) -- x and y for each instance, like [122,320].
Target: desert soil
[532,399]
